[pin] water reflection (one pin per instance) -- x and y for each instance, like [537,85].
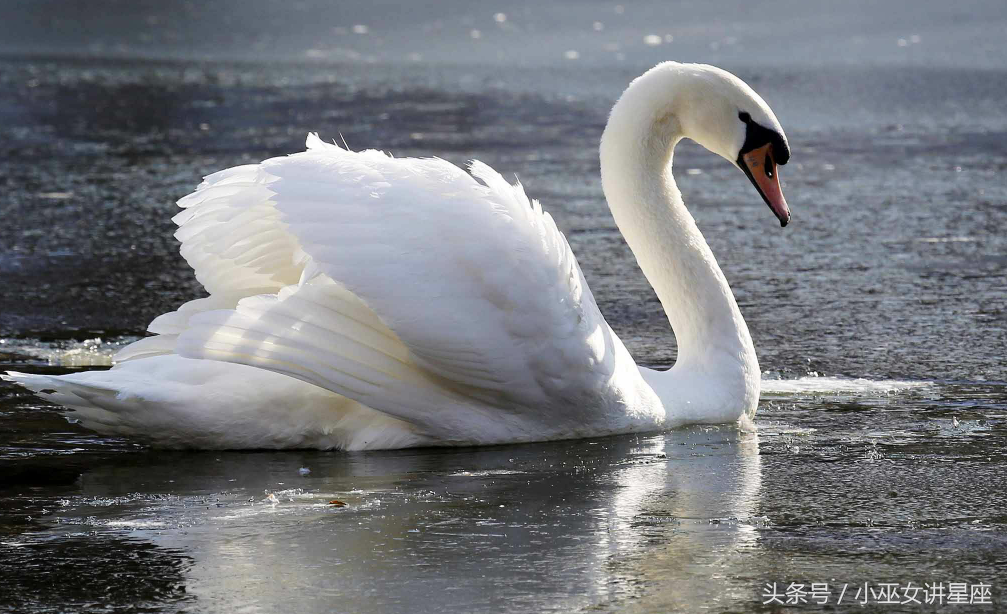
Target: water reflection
[687,524]
[545,527]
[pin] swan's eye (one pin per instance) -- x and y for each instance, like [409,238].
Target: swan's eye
[769,166]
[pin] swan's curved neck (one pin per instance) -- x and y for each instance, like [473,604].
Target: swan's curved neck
[714,344]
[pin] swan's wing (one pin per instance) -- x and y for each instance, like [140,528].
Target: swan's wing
[232,238]
[471,277]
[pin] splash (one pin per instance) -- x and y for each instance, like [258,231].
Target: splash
[819,384]
[94,352]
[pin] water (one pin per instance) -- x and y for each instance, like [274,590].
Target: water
[878,315]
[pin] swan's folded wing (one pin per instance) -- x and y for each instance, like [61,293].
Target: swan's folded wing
[473,278]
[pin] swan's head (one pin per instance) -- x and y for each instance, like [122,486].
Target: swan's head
[723,114]
[720,112]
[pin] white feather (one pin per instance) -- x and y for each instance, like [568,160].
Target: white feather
[182,403]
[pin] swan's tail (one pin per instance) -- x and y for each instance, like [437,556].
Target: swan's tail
[73,392]
[176,402]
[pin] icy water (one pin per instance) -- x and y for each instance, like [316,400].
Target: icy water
[878,317]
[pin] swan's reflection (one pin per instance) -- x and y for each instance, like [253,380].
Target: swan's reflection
[546,526]
[681,524]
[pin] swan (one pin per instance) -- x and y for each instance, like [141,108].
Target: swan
[361,301]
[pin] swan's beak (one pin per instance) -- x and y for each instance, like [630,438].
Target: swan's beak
[760,167]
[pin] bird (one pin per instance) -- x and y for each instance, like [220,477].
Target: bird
[363,301]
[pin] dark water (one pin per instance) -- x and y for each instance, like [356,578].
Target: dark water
[878,315]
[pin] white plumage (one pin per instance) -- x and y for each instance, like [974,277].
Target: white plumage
[363,301]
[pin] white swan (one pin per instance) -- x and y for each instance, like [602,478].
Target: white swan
[361,301]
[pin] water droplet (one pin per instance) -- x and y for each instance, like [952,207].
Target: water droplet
[476,34]
[598,26]
[361,29]
[500,17]
[652,39]
[571,54]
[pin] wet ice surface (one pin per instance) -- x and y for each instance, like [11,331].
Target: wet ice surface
[879,448]
[849,489]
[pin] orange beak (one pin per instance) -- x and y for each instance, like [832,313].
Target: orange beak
[760,167]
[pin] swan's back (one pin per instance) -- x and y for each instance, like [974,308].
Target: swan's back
[443,299]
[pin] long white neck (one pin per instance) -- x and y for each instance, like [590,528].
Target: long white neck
[717,372]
